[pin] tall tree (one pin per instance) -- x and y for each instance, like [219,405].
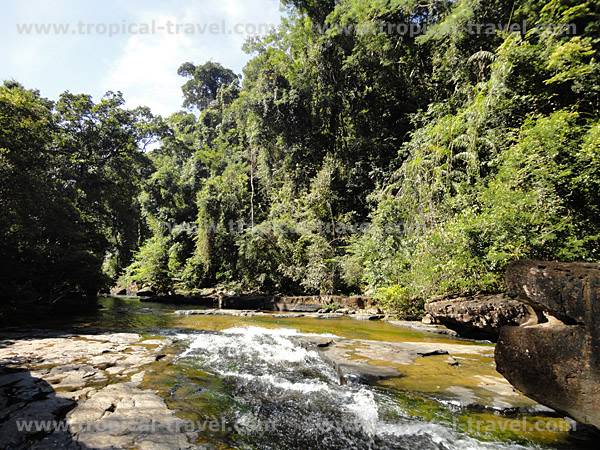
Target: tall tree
[204,83]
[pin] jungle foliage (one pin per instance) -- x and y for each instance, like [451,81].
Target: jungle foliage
[352,156]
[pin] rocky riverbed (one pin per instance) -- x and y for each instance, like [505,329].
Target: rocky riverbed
[85,390]
[137,375]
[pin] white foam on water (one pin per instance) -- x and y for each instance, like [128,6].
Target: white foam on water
[281,383]
[277,349]
[364,407]
[287,332]
[441,435]
[260,344]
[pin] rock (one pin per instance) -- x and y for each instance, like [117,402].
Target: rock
[433,353]
[26,398]
[360,316]
[146,292]
[125,416]
[363,373]
[563,289]
[428,319]
[74,373]
[220,312]
[452,361]
[397,364]
[297,304]
[192,312]
[377,317]
[322,303]
[556,362]
[300,304]
[479,316]
[548,364]
[45,410]
[328,316]
[287,316]
[246,302]
[419,326]
[175,299]
[118,291]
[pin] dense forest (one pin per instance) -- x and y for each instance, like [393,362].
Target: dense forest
[385,147]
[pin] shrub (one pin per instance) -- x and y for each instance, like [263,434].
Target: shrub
[398,301]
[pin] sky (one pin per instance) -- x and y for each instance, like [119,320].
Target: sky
[130,46]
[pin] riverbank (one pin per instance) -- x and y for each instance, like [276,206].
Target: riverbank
[83,391]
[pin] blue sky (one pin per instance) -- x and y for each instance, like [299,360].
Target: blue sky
[141,64]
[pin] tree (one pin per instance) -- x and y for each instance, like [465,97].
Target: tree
[70,176]
[357,156]
[205,82]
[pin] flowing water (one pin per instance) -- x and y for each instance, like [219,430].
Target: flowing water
[255,383]
[285,396]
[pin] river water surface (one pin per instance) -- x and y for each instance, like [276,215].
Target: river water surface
[254,382]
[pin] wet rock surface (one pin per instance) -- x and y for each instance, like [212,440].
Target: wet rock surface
[479,316]
[82,391]
[556,361]
[424,327]
[467,375]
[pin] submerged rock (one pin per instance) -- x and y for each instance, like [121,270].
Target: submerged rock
[479,316]
[461,374]
[556,362]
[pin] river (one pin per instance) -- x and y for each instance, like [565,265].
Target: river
[305,383]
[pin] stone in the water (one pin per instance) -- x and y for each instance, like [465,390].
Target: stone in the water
[479,316]
[453,362]
[433,353]
[145,292]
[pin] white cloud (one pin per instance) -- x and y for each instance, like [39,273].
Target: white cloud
[146,69]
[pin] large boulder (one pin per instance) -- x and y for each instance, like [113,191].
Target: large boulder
[146,292]
[567,290]
[478,316]
[118,290]
[556,361]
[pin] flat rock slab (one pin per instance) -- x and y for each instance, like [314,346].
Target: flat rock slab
[419,326]
[478,316]
[89,386]
[472,383]
[124,416]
